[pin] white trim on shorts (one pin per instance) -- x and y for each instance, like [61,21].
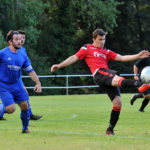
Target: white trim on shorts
[95,72]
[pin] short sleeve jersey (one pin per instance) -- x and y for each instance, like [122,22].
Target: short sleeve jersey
[23,49]
[141,63]
[95,57]
[25,52]
[11,65]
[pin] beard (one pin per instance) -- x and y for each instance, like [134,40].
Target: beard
[17,46]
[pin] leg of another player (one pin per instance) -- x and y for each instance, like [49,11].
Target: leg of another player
[29,107]
[10,108]
[2,111]
[134,97]
[144,104]
[24,116]
[8,104]
[32,116]
[114,115]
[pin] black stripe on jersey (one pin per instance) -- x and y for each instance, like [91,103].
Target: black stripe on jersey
[84,46]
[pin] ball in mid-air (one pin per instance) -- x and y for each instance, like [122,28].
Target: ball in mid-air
[145,74]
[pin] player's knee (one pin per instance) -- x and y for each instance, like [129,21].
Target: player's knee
[24,106]
[117,101]
[10,110]
[119,104]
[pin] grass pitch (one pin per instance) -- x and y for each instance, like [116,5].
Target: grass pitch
[77,122]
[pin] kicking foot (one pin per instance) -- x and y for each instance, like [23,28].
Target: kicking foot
[35,117]
[143,88]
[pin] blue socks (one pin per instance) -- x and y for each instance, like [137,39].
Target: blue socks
[25,116]
[25,119]
[29,107]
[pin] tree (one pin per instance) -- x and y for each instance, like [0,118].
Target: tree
[132,33]
[67,24]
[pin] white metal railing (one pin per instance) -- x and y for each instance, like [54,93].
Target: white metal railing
[67,87]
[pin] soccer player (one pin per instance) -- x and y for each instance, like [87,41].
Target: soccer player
[23,38]
[12,61]
[137,68]
[97,57]
[32,116]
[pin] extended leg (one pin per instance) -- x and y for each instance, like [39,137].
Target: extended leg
[134,97]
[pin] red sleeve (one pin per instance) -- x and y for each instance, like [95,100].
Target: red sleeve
[112,55]
[81,53]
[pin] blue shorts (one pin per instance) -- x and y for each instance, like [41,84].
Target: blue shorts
[21,82]
[18,95]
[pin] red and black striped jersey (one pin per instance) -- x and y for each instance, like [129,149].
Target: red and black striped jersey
[95,57]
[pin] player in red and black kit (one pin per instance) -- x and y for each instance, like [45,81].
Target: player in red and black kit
[137,68]
[109,80]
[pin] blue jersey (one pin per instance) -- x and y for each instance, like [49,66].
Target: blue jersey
[11,65]
[23,49]
[25,52]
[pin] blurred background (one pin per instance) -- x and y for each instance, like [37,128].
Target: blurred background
[56,29]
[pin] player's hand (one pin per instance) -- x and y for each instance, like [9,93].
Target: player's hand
[144,54]
[38,88]
[54,67]
[136,78]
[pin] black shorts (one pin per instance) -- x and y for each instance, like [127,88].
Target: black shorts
[103,78]
[147,92]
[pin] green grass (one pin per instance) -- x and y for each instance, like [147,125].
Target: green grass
[77,122]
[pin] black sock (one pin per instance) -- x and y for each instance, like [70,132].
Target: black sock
[114,117]
[130,83]
[139,95]
[144,104]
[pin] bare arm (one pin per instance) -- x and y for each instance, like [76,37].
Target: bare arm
[35,78]
[70,60]
[135,71]
[142,54]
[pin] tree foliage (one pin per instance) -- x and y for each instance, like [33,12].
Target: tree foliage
[56,29]
[132,33]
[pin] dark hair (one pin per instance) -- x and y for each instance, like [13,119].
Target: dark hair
[98,32]
[22,32]
[10,35]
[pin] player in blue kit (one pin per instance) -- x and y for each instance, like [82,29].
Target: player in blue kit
[12,61]
[32,116]
[23,38]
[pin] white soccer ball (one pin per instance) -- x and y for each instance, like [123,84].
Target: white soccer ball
[145,74]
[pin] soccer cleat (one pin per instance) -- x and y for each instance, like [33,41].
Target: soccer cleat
[26,131]
[143,88]
[133,98]
[2,118]
[109,132]
[141,110]
[34,117]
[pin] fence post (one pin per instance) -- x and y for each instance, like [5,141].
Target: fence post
[67,84]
